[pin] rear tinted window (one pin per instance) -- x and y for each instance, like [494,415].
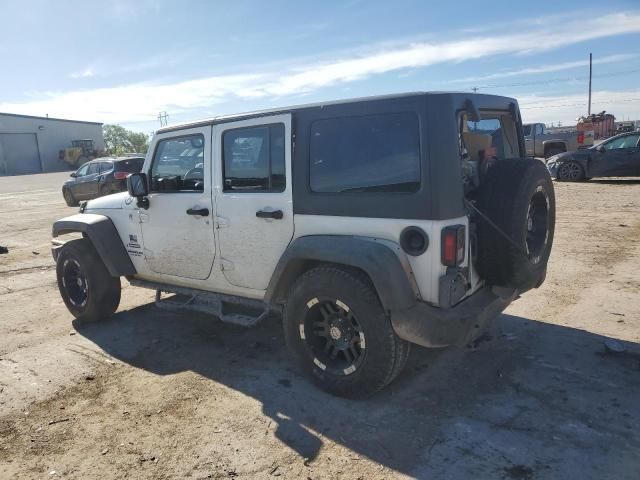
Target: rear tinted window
[132,165]
[367,153]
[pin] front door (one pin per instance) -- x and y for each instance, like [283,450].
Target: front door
[177,228]
[620,157]
[253,200]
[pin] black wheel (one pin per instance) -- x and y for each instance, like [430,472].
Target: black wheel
[553,151]
[86,287]
[570,172]
[518,197]
[69,198]
[339,333]
[105,190]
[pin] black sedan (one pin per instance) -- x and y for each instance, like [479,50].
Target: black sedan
[618,156]
[100,177]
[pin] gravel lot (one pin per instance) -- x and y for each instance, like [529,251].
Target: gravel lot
[155,394]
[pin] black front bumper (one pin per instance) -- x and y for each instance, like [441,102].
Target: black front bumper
[438,327]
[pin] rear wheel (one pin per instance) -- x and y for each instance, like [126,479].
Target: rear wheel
[86,287]
[570,172]
[105,190]
[340,335]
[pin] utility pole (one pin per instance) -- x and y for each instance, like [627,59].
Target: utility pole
[163,117]
[475,89]
[590,72]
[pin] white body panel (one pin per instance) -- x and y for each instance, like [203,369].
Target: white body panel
[427,268]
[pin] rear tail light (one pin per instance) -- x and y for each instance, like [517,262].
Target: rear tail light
[453,245]
[581,138]
[121,175]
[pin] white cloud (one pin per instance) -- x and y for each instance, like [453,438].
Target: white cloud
[546,68]
[142,101]
[86,73]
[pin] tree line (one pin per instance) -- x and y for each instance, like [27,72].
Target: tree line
[118,140]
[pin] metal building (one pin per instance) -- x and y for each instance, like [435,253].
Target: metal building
[32,144]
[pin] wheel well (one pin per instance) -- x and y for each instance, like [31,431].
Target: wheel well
[555,146]
[299,267]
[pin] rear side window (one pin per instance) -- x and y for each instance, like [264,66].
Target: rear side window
[132,165]
[367,153]
[253,159]
[105,166]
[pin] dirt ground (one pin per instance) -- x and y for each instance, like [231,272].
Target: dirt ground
[155,394]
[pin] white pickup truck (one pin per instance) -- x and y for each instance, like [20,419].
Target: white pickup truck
[541,142]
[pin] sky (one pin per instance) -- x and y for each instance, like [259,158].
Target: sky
[125,61]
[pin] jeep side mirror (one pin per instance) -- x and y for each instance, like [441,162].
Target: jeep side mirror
[138,187]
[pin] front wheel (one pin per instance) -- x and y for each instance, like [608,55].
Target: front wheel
[340,335]
[570,172]
[86,287]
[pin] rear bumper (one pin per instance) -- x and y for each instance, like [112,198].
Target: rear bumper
[436,327]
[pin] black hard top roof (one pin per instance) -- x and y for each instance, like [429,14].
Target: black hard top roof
[273,111]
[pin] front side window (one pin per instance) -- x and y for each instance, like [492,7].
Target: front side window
[629,141]
[371,153]
[178,164]
[254,159]
[82,171]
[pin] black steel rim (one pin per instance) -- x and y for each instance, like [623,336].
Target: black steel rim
[333,336]
[537,225]
[75,283]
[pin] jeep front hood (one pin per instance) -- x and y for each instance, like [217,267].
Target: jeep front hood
[114,201]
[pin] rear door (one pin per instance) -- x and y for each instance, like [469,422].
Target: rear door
[253,203]
[177,228]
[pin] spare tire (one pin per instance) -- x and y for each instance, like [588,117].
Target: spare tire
[515,228]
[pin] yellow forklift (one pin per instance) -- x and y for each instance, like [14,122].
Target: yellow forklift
[81,151]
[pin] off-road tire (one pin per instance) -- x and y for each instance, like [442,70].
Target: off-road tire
[69,198]
[385,354]
[570,172]
[512,192]
[103,291]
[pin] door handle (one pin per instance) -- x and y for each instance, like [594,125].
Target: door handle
[203,212]
[276,214]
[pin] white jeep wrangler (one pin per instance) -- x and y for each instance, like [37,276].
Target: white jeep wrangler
[369,224]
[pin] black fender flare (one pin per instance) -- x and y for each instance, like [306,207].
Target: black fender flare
[375,258]
[104,237]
